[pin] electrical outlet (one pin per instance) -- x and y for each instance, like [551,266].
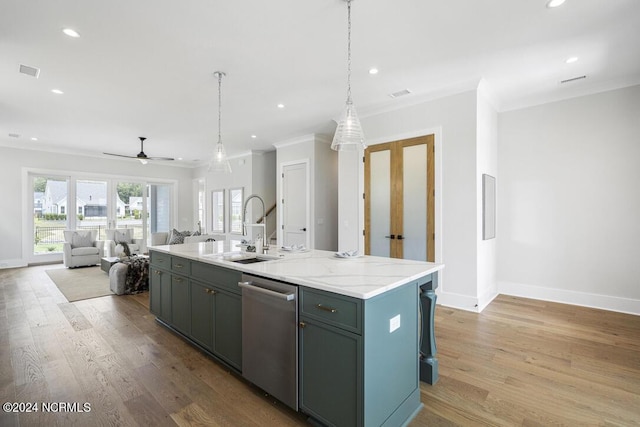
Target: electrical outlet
[394,323]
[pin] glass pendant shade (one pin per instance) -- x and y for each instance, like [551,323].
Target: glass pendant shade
[349,135]
[219,161]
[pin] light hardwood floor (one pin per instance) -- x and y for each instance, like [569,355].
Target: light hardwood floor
[520,362]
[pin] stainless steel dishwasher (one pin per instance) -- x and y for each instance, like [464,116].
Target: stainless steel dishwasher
[270,337]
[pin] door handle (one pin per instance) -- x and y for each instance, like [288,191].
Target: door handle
[400,237]
[303,229]
[393,236]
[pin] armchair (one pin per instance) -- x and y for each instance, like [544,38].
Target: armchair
[119,235]
[81,248]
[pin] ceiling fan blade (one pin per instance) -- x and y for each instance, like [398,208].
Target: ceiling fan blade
[160,158]
[120,155]
[141,155]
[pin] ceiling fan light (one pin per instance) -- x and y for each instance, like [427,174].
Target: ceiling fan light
[349,135]
[143,161]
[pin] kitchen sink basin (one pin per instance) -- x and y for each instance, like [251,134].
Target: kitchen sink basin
[250,260]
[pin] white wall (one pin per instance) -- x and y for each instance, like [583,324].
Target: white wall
[12,162]
[569,201]
[487,163]
[453,120]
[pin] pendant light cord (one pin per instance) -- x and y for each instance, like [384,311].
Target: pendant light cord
[348,51]
[219,106]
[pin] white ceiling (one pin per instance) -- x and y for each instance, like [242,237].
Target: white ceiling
[145,67]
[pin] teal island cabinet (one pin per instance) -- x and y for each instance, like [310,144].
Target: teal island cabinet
[359,324]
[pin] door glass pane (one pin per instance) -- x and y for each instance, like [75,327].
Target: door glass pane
[414,182]
[380,208]
[49,214]
[129,207]
[159,208]
[235,209]
[91,206]
[217,211]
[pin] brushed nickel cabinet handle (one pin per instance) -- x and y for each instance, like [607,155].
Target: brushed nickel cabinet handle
[178,265]
[329,309]
[302,324]
[178,279]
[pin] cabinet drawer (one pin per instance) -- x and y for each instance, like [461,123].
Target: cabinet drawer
[180,265]
[160,260]
[216,276]
[337,310]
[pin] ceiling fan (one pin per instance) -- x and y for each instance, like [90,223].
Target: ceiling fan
[141,155]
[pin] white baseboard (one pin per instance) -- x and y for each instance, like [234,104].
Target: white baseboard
[604,302]
[12,263]
[462,302]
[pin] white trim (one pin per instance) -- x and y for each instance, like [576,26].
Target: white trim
[585,299]
[12,263]
[295,141]
[459,301]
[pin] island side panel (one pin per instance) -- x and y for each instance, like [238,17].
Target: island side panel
[392,393]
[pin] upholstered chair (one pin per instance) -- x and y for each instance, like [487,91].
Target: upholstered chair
[120,235]
[81,248]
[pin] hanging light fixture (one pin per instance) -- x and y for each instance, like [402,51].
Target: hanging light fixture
[349,135]
[219,161]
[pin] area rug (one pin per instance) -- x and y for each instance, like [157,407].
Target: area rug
[80,283]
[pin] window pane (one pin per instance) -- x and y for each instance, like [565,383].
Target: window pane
[91,199]
[217,211]
[49,220]
[235,197]
[129,208]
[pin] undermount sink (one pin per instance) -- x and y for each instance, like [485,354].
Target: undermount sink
[250,260]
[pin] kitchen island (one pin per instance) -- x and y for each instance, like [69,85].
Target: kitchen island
[357,334]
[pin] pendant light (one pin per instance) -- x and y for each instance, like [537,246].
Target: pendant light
[349,135]
[219,161]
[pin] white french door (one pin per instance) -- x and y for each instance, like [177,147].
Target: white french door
[57,203]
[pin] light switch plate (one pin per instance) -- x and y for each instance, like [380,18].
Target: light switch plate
[394,323]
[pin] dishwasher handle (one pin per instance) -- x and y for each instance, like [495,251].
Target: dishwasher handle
[286,297]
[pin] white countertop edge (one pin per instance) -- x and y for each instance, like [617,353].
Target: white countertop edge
[193,251]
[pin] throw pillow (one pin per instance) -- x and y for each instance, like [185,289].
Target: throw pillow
[121,237]
[81,239]
[177,237]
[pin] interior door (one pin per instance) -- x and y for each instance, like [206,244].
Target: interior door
[295,205]
[400,199]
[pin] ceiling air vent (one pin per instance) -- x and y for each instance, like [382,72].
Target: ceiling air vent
[30,71]
[14,135]
[400,93]
[573,79]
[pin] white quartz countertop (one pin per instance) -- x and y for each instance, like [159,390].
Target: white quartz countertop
[362,277]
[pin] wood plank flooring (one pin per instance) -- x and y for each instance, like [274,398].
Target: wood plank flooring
[520,362]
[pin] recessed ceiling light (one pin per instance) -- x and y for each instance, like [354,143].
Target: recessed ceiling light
[572,60]
[34,138]
[57,91]
[554,3]
[179,158]
[71,33]
[253,136]
[373,71]
[280,105]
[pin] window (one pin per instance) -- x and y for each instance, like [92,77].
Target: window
[217,211]
[235,208]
